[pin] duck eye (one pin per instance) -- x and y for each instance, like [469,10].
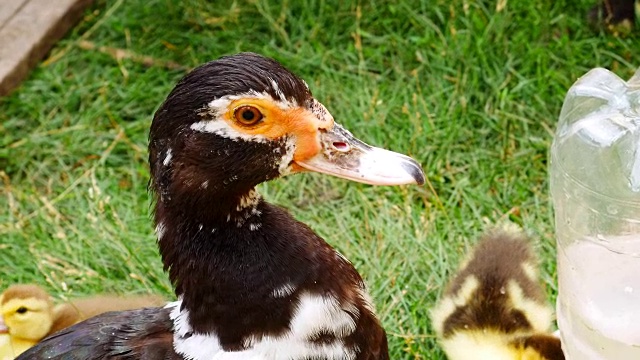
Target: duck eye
[21,310]
[248,115]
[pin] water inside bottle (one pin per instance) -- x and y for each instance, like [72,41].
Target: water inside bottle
[599,312]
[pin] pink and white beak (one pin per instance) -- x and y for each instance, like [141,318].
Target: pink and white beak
[345,156]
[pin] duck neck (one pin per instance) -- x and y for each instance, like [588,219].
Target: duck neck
[184,228]
[201,241]
[227,265]
[249,272]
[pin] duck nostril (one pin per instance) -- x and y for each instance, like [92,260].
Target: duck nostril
[341,146]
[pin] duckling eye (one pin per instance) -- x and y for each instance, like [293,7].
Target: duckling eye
[21,310]
[247,115]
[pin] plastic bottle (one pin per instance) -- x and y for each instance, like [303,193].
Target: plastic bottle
[595,186]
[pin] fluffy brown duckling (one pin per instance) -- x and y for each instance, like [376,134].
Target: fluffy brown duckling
[495,307]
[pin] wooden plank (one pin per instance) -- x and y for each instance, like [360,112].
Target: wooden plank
[29,34]
[8,9]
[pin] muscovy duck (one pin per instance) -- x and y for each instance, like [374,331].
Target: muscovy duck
[252,282]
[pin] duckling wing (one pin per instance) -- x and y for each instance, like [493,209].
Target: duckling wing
[142,334]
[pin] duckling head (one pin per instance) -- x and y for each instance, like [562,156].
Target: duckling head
[27,312]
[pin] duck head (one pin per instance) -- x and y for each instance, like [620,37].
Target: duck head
[241,120]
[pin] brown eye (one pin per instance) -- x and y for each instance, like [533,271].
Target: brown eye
[248,115]
[21,310]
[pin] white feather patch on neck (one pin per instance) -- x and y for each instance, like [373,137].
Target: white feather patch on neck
[249,200]
[323,313]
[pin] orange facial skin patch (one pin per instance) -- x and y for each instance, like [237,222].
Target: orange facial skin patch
[277,121]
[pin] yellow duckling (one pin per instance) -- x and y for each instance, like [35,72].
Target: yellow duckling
[495,307]
[27,315]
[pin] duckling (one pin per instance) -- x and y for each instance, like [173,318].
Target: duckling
[252,282]
[495,307]
[29,315]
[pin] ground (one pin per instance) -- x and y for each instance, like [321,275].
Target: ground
[472,89]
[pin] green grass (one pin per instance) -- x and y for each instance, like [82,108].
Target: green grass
[473,93]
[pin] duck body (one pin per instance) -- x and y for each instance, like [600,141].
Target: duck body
[307,315]
[495,308]
[252,282]
[287,301]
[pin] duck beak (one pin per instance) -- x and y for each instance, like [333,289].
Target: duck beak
[3,327]
[344,156]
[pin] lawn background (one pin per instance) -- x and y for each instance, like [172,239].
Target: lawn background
[471,89]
